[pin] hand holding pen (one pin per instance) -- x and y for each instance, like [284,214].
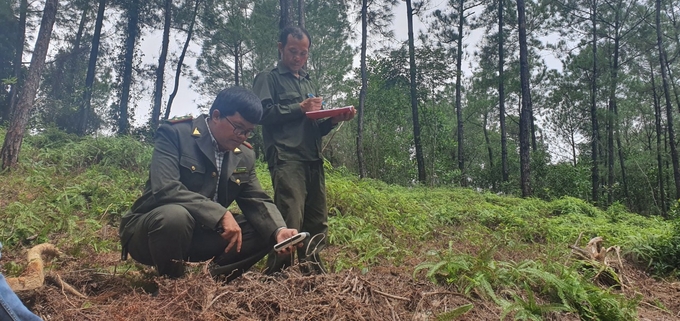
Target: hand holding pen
[312,103]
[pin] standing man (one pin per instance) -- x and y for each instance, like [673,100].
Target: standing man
[293,147]
[198,167]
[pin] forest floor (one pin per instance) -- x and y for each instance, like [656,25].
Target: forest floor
[496,257]
[383,292]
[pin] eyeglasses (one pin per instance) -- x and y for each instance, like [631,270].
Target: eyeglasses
[240,131]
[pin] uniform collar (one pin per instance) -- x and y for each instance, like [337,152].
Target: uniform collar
[282,69]
[203,138]
[214,142]
[205,143]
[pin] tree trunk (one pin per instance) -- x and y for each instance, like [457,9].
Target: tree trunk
[132,30]
[237,56]
[91,68]
[595,171]
[301,13]
[532,126]
[18,61]
[666,162]
[488,142]
[178,72]
[57,80]
[160,71]
[667,95]
[501,94]
[611,112]
[676,28]
[17,127]
[362,93]
[459,112]
[530,107]
[622,160]
[414,98]
[614,109]
[610,143]
[574,156]
[672,82]
[524,122]
[70,84]
[659,151]
[286,19]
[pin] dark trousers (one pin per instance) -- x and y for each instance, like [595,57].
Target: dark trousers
[300,195]
[168,235]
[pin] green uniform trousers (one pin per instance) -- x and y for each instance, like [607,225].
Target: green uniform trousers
[168,235]
[300,195]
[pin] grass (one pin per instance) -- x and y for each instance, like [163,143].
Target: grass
[511,251]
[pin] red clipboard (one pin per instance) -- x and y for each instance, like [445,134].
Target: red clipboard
[328,112]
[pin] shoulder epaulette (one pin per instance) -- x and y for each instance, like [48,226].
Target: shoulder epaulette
[247,144]
[179,119]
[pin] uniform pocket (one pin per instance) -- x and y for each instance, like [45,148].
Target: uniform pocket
[290,97]
[192,173]
[240,178]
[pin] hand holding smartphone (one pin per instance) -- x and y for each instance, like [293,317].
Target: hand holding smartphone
[291,241]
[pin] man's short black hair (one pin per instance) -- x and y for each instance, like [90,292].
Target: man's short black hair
[296,32]
[241,100]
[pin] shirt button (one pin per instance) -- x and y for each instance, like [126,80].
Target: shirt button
[193,168]
[238,181]
[214,174]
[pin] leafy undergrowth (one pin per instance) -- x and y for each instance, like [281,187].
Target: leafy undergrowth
[396,252]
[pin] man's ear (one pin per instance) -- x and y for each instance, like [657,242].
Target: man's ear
[215,114]
[280,46]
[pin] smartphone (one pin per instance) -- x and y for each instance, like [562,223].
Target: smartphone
[295,239]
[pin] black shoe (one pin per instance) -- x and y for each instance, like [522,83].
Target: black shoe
[174,270]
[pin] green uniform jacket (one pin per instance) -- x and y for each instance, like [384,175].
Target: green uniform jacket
[287,133]
[183,172]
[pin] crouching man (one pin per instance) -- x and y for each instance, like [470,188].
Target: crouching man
[198,168]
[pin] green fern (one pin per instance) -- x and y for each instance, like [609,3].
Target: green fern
[455,313]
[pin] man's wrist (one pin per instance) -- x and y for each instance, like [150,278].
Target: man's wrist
[220,225]
[276,233]
[300,108]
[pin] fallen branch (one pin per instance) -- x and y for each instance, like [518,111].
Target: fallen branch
[394,314]
[595,255]
[617,250]
[575,246]
[391,296]
[656,307]
[65,287]
[34,276]
[581,253]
